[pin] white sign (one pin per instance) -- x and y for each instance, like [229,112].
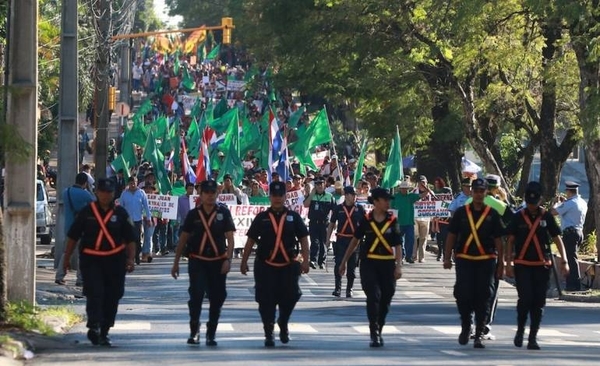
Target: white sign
[236,85]
[122,109]
[319,157]
[187,102]
[162,206]
[436,207]
[227,198]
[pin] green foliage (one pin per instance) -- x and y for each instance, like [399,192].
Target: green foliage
[28,317]
[588,246]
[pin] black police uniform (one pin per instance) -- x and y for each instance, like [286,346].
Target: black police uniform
[377,266]
[102,260]
[207,250]
[348,219]
[532,264]
[318,214]
[276,272]
[475,262]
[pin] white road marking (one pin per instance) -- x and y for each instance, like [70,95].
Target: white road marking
[225,327]
[453,353]
[447,329]
[299,328]
[306,278]
[388,329]
[410,340]
[132,326]
[420,295]
[549,332]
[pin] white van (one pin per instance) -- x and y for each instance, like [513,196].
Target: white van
[44,221]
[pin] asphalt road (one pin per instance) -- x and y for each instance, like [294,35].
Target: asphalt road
[422,329]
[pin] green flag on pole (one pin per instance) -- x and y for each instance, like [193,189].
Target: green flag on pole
[214,53]
[153,155]
[360,164]
[393,174]
[192,139]
[120,163]
[232,164]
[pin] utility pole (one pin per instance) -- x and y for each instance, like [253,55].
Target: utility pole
[102,114]
[68,118]
[20,184]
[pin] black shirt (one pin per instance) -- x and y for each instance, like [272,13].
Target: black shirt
[221,223]
[263,233]
[320,206]
[86,228]
[490,228]
[391,234]
[546,230]
[339,215]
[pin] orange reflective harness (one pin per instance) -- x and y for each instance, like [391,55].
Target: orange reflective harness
[474,236]
[103,233]
[380,239]
[342,232]
[208,237]
[532,237]
[278,228]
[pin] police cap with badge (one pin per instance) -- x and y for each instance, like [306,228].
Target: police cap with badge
[571,185]
[105,185]
[208,186]
[277,189]
[533,193]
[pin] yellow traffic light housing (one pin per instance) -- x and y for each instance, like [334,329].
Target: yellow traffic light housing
[112,98]
[227,25]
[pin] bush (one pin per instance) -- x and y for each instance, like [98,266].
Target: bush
[588,247]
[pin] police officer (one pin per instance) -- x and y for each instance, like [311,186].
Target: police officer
[474,235]
[528,248]
[205,231]
[572,210]
[348,216]
[380,260]
[319,204]
[107,250]
[276,233]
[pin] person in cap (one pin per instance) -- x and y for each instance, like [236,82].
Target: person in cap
[297,182]
[207,238]
[338,191]
[422,223]
[529,258]
[380,260]
[135,201]
[120,183]
[275,177]
[495,198]
[474,234]
[572,210]
[439,224]
[462,197]
[230,188]
[75,198]
[404,202]
[106,252]
[347,216]
[279,235]
[83,141]
[320,204]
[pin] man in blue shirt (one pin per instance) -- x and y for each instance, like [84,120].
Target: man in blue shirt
[462,197]
[75,198]
[572,211]
[135,202]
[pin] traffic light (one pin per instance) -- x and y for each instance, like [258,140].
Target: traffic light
[227,24]
[112,98]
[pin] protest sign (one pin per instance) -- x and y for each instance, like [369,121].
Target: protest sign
[437,206]
[162,206]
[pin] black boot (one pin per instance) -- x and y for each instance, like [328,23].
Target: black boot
[536,319]
[104,340]
[349,286]
[375,341]
[532,343]
[269,341]
[379,333]
[521,320]
[440,252]
[211,329]
[465,333]
[478,342]
[93,335]
[194,330]
[338,286]
[284,332]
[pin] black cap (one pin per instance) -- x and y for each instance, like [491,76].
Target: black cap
[378,193]
[297,176]
[479,184]
[105,185]
[208,186]
[318,180]
[533,192]
[189,184]
[277,189]
[274,174]
[227,176]
[465,182]
[349,190]
[571,185]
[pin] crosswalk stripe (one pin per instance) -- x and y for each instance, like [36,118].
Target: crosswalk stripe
[132,326]
[447,329]
[299,328]
[421,295]
[225,327]
[388,329]
[453,353]
[549,332]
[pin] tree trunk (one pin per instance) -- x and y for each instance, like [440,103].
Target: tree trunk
[3,284]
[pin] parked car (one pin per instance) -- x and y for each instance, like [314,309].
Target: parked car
[44,220]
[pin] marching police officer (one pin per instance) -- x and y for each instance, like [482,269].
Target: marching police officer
[276,233]
[380,260]
[528,248]
[107,250]
[572,210]
[348,216]
[474,235]
[205,231]
[319,204]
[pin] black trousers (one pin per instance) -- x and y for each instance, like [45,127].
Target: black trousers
[532,283]
[276,286]
[339,250]
[317,231]
[103,287]
[473,289]
[137,229]
[378,283]
[206,277]
[572,239]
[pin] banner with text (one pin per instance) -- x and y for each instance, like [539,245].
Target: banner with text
[436,207]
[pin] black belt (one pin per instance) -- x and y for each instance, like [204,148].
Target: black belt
[318,221]
[571,228]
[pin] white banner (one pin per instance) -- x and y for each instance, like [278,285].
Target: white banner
[236,85]
[319,157]
[162,206]
[227,198]
[437,207]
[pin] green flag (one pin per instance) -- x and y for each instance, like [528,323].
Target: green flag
[192,138]
[187,81]
[120,163]
[318,131]
[175,142]
[251,138]
[139,134]
[214,53]
[153,155]
[295,117]
[232,164]
[232,131]
[176,64]
[222,124]
[128,149]
[359,166]
[393,168]
[221,108]
[160,129]
[196,111]
[144,108]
